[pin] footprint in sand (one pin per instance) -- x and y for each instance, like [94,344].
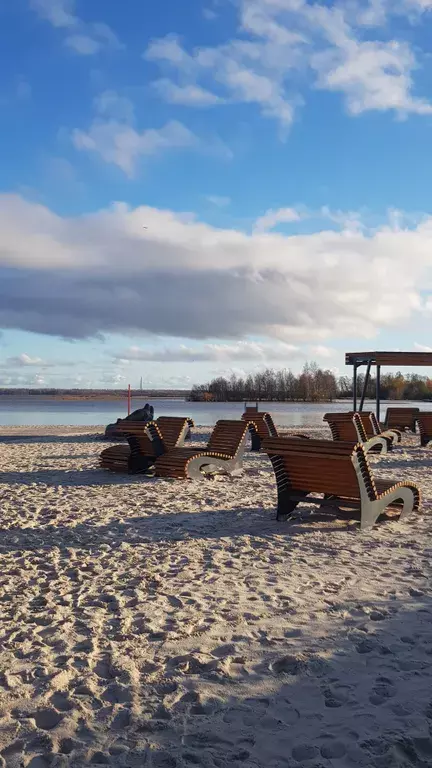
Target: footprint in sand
[61,702]
[383,690]
[105,670]
[47,719]
[117,694]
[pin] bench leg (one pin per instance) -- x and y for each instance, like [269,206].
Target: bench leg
[286,505]
[255,441]
[139,464]
[370,511]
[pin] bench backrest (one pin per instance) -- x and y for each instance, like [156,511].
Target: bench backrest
[346,426]
[319,466]
[401,417]
[228,436]
[173,430]
[424,420]
[367,420]
[263,421]
[152,437]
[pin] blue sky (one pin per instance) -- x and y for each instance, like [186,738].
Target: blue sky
[190,189]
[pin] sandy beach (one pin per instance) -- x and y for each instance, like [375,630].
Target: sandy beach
[159,623]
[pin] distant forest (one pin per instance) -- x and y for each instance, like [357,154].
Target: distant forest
[313,384]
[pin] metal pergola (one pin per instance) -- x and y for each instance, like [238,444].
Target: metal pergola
[357,359]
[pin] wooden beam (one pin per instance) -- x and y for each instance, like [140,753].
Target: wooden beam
[423,359]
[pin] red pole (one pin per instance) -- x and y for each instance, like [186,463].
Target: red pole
[129,399]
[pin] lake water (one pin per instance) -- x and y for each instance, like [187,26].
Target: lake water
[38,410]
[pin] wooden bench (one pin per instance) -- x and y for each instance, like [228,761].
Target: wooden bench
[424,421]
[401,418]
[348,427]
[146,441]
[372,428]
[342,473]
[265,427]
[224,451]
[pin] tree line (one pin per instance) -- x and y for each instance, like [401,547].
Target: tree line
[313,384]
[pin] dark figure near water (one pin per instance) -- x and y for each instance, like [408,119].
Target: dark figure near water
[141,414]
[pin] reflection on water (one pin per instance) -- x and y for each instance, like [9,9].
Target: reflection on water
[38,410]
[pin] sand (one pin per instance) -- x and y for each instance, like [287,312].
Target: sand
[158,623]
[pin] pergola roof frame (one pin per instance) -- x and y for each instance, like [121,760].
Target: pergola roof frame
[356,359]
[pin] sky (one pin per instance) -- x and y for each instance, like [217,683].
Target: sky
[211,187]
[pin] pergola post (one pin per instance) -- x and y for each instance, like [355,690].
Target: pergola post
[355,387]
[378,391]
[366,382]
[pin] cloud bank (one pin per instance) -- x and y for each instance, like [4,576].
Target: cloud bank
[104,273]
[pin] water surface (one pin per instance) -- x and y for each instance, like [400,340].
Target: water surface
[37,410]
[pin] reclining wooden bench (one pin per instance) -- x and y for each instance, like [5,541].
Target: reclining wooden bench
[348,427]
[401,418]
[424,420]
[341,472]
[265,427]
[224,451]
[372,427]
[146,441]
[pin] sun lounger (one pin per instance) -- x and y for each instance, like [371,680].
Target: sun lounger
[146,441]
[265,427]
[342,473]
[401,418]
[424,420]
[348,427]
[224,451]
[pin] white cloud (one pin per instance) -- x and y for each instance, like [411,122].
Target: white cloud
[60,13]
[114,136]
[23,360]
[169,49]
[114,379]
[372,75]
[104,273]
[242,350]
[111,104]
[272,218]
[188,95]
[319,350]
[83,44]
[27,361]
[421,348]
[293,44]
[83,38]
[220,201]
[122,145]
[239,67]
